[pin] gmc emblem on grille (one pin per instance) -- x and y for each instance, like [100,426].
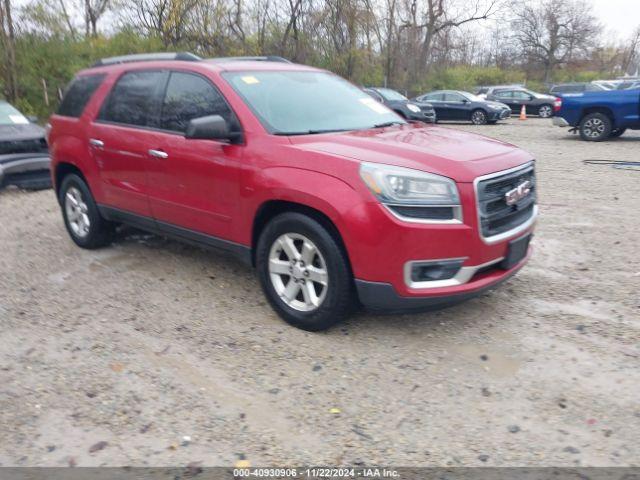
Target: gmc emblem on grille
[515,195]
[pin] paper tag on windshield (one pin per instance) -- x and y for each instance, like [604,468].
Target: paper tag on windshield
[18,119]
[375,106]
[250,80]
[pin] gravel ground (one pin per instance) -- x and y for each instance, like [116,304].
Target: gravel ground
[154,353]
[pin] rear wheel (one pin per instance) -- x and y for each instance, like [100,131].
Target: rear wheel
[84,223]
[479,117]
[545,111]
[595,127]
[304,272]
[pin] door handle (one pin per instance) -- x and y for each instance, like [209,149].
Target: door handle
[158,154]
[96,143]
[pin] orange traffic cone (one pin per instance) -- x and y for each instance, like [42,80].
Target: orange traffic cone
[523,113]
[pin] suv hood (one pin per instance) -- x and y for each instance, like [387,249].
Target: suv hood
[459,155]
[27,131]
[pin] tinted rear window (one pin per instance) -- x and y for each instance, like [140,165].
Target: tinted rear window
[78,94]
[134,99]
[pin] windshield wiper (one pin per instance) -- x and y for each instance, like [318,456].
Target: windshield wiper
[388,124]
[313,132]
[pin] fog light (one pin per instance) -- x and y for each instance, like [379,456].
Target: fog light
[431,271]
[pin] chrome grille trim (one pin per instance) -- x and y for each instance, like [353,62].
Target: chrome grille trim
[520,227]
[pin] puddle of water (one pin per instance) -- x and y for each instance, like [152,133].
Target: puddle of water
[488,358]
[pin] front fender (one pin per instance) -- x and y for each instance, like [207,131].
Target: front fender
[344,205]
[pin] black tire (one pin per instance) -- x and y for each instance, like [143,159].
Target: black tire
[100,231]
[479,117]
[339,295]
[545,111]
[595,127]
[618,132]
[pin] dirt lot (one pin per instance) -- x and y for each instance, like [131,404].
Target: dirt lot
[170,354]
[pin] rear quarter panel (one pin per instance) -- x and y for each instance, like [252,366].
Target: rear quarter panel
[69,143]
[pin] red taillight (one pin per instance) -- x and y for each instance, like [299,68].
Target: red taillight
[557,105]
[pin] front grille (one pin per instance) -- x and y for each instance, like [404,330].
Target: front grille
[36,145]
[495,215]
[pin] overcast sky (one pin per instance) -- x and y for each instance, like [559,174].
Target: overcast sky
[619,17]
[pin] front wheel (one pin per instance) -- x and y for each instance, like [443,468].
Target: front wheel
[479,117]
[595,127]
[545,111]
[304,272]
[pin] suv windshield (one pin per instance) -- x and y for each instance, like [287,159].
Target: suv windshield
[296,103]
[10,116]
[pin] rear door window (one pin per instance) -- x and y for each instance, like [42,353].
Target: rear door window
[190,96]
[453,97]
[434,97]
[134,99]
[504,94]
[78,94]
[521,95]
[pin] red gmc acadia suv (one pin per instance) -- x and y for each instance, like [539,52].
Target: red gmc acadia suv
[333,198]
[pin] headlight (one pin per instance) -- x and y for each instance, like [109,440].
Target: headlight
[413,195]
[413,108]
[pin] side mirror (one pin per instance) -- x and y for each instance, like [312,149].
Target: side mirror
[531,97]
[465,100]
[211,127]
[32,119]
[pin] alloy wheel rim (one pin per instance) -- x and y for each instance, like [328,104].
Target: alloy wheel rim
[478,118]
[594,127]
[545,112]
[298,272]
[77,212]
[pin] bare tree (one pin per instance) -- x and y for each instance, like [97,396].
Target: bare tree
[554,33]
[8,42]
[93,10]
[631,54]
[168,19]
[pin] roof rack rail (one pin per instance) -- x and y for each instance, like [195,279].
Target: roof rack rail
[267,58]
[148,57]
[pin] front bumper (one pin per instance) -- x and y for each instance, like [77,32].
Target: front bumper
[428,116]
[382,297]
[560,122]
[499,114]
[25,170]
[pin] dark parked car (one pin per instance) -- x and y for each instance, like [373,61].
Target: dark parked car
[535,103]
[402,105]
[575,88]
[457,105]
[24,157]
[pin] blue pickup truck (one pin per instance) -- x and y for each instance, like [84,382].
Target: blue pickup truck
[598,116]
